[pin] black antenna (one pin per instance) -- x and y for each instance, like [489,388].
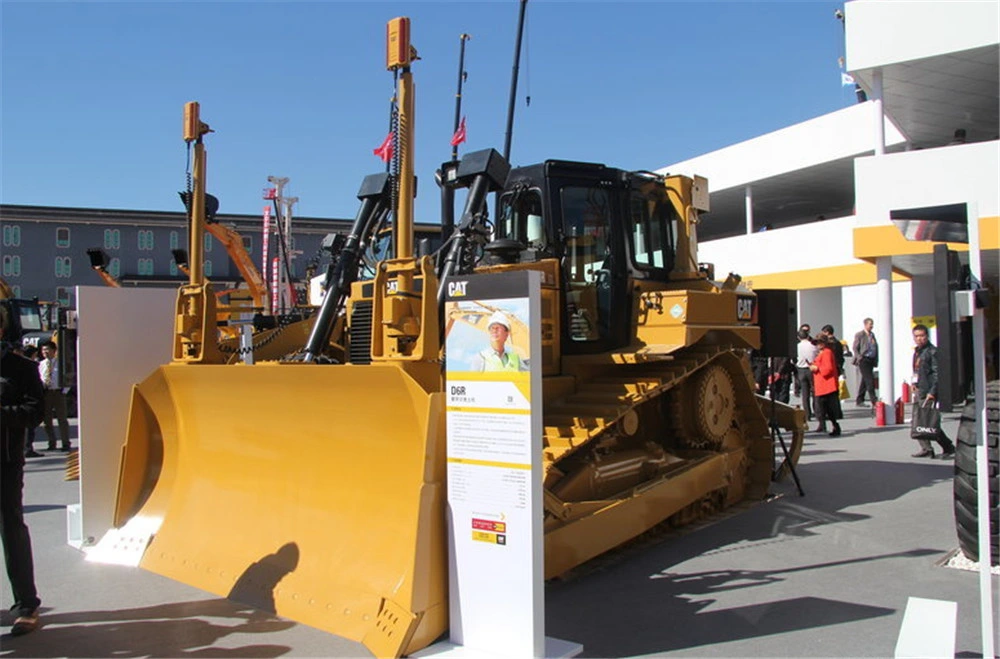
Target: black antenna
[458,95]
[513,81]
[448,191]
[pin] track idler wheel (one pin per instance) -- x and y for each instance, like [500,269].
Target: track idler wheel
[711,407]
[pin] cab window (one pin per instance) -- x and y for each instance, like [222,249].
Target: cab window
[520,218]
[586,220]
[653,226]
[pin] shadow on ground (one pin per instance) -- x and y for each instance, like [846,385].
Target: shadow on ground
[167,630]
[42,507]
[630,602]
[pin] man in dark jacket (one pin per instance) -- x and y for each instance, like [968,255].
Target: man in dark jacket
[925,370]
[865,349]
[21,396]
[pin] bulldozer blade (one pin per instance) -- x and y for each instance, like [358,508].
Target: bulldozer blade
[326,507]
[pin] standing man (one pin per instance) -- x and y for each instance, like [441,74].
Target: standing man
[865,349]
[20,408]
[925,374]
[804,376]
[497,357]
[804,327]
[55,399]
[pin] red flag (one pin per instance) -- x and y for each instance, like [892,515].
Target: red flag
[270,193]
[459,135]
[385,150]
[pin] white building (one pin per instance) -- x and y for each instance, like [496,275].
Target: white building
[810,207]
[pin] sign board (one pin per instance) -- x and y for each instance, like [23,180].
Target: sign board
[494,389]
[123,335]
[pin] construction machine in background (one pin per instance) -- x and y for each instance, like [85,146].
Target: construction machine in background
[99,263]
[25,315]
[33,323]
[314,485]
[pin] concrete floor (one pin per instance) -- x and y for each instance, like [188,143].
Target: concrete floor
[824,575]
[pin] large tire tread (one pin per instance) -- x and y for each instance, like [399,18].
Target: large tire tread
[965,484]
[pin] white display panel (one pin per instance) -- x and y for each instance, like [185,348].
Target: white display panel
[123,334]
[494,465]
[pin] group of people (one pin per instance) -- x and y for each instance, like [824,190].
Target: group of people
[819,363]
[54,407]
[925,378]
[814,373]
[818,366]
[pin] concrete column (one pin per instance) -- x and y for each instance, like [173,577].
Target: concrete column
[883,331]
[748,191]
[878,112]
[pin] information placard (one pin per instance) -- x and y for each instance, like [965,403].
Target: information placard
[494,463]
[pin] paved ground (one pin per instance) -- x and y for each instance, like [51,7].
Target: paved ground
[827,574]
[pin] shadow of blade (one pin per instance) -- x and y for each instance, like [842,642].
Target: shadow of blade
[694,628]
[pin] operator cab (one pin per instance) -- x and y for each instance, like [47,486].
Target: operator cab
[607,227]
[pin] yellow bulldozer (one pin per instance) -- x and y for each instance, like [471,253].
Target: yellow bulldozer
[314,485]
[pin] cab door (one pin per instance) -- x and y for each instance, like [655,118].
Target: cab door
[595,309]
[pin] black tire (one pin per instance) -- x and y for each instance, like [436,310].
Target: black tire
[965,486]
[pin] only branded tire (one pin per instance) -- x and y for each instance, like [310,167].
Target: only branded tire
[966,491]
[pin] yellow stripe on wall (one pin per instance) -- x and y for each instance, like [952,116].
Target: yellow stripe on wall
[856,274]
[870,243]
[887,240]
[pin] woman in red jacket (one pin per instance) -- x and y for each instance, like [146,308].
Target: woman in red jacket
[826,387]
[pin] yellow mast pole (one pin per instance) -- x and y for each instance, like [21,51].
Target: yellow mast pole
[399,55]
[195,322]
[404,216]
[194,129]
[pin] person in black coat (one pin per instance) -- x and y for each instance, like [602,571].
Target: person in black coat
[21,396]
[925,370]
[865,350]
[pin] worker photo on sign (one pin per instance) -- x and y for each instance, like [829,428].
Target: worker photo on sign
[489,336]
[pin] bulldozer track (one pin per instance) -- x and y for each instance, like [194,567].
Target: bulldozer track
[599,404]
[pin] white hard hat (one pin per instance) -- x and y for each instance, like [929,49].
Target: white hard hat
[499,318]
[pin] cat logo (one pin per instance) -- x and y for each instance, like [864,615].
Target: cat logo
[745,308]
[392,287]
[457,288]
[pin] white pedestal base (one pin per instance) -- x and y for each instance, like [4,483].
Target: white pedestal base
[928,629]
[554,649]
[74,526]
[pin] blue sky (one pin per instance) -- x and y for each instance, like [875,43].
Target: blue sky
[92,94]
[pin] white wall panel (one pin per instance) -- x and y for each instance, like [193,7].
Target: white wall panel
[803,247]
[842,134]
[881,33]
[931,177]
[122,335]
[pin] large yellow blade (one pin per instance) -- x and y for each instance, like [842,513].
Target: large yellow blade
[315,491]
